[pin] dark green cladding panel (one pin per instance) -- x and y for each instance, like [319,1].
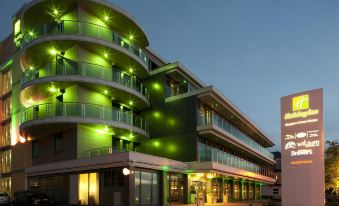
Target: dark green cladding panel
[173,124]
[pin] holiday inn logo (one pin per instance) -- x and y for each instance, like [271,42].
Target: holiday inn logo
[300,102]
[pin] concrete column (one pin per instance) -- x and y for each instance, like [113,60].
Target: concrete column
[164,188]
[130,179]
[73,189]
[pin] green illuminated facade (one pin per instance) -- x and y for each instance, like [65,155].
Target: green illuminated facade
[91,116]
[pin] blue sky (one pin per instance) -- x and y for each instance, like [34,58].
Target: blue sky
[254,52]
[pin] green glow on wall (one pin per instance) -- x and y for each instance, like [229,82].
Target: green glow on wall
[171,148]
[156,114]
[156,144]
[156,86]
[53,89]
[165,167]
[17,27]
[171,121]
[105,130]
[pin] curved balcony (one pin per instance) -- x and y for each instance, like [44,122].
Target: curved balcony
[80,113]
[89,30]
[88,73]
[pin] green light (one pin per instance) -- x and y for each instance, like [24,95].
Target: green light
[131,70]
[53,51]
[56,12]
[31,33]
[130,102]
[53,89]
[106,55]
[106,92]
[106,18]
[31,67]
[131,37]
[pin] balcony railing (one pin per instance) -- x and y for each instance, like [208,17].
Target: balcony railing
[85,70]
[220,122]
[90,111]
[87,29]
[179,89]
[102,151]
[207,153]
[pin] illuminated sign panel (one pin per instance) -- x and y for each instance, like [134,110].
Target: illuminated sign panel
[302,149]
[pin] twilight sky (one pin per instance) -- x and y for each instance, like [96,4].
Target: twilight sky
[254,52]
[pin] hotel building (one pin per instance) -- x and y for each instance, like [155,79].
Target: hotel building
[92,116]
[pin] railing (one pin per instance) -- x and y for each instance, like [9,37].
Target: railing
[179,89]
[217,120]
[91,111]
[87,29]
[102,151]
[85,70]
[207,153]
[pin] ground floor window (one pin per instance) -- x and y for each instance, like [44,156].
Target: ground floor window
[56,186]
[88,189]
[175,188]
[236,190]
[146,188]
[5,185]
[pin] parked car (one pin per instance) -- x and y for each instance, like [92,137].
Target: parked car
[32,198]
[4,198]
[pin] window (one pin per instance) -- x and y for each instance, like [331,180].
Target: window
[5,135]
[58,142]
[275,191]
[35,149]
[146,188]
[6,108]
[5,185]
[6,85]
[5,158]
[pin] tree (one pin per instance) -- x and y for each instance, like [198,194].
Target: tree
[332,166]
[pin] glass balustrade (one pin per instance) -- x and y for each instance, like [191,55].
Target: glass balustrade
[85,70]
[217,120]
[179,89]
[208,153]
[91,111]
[90,30]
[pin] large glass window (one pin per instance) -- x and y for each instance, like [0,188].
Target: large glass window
[6,108]
[5,157]
[6,85]
[5,185]
[89,189]
[5,136]
[175,188]
[146,188]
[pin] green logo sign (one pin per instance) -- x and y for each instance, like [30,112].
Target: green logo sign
[300,102]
